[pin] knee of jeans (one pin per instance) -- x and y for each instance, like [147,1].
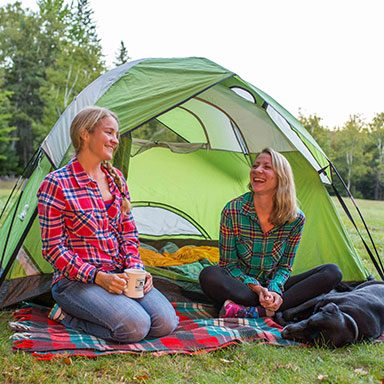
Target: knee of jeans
[131,331]
[170,323]
[164,325]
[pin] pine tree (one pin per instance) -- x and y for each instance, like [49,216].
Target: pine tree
[78,62]
[122,57]
[47,58]
[8,159]
[23,63]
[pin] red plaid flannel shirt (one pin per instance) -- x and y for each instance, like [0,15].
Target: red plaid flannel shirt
[79,236]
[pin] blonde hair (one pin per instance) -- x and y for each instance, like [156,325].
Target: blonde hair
[126,204]
[87,120]
[285,207]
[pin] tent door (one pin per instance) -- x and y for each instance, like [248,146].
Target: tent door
[123,154]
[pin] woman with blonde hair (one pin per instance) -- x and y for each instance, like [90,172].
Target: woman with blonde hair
[90,238]
[260,232]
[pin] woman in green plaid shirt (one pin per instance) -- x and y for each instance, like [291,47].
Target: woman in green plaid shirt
[260,232]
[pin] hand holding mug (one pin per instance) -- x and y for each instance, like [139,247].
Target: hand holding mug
[148,283]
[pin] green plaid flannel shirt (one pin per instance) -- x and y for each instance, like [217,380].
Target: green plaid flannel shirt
[252,256]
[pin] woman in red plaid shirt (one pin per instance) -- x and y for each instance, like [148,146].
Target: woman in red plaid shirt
[260,232]
[89,237]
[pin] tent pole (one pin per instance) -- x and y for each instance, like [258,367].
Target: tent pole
[379,268]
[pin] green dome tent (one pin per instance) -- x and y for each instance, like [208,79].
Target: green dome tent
[189,130]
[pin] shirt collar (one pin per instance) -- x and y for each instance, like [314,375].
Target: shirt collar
[82,177]
[247,206]
[78,172]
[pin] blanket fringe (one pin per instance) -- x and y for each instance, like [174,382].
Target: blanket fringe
[50,356]
[20,326]
[44,358]
[22,343]
[22,314]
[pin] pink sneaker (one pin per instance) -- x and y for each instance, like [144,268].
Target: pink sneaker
[231,309]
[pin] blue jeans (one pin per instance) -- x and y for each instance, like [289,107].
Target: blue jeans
[90,308]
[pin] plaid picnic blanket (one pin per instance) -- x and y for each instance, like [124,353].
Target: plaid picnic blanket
[198,331]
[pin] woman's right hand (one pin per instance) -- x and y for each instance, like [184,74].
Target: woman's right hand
[268,299]
[265,297]
[112,282]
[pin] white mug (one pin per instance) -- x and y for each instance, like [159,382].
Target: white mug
[135,284]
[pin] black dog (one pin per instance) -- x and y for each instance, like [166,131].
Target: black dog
[338,318]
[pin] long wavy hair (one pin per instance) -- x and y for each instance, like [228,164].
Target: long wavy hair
[285,207]
[87,120]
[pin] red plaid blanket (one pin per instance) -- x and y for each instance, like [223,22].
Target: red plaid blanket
[198,331]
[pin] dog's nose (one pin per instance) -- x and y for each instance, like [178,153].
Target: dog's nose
[285,332]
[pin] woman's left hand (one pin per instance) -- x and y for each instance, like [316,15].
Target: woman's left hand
[275,303]
[148,285]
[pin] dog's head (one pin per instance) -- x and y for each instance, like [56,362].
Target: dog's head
[328,326]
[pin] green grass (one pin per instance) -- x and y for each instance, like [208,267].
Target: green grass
[372,212]
[247,363]
[4,193]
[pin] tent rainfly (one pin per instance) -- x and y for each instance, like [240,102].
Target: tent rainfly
[189,130]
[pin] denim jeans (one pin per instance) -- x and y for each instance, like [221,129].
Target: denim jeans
[90,308]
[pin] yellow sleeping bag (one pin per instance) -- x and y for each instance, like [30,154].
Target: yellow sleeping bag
[184,255]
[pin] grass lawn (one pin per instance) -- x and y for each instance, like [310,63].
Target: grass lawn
[4,193]
[248,363]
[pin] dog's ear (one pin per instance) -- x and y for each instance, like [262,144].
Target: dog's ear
[330,308]
[352,327]
[341,328]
